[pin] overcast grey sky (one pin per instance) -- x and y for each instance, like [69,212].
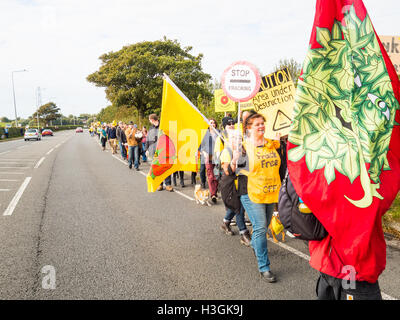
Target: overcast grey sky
[59,41]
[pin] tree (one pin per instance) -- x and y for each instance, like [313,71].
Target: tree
[133,76]
[47,112]
[293,66]
[5,119]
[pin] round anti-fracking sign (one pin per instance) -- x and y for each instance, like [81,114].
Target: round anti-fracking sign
[222,102]
[241,81]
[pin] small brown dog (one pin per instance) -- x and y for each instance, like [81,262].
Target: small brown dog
[201,196]
[277,225]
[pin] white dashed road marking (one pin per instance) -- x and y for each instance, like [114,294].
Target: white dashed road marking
[39,163]
[10,209]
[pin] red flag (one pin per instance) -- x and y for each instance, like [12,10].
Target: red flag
[344,143]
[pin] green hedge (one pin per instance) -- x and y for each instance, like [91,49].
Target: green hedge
[16,132]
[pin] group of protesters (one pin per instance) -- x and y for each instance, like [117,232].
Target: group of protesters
[130,139]
[225,150]
[234,151]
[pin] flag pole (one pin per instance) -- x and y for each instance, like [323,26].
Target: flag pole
[238,127]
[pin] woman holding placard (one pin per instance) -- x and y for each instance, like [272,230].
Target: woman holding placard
[259,185]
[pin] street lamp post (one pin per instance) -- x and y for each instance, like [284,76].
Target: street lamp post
[15,104]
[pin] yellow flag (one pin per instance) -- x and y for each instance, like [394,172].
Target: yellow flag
[182,128]
[222,102]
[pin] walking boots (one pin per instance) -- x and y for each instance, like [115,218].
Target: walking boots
[245,238]
[225,227]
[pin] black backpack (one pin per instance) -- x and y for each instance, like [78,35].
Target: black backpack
[229,194]
[304,226]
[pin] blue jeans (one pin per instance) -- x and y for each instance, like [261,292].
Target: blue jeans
[144,158]
[123,151]
[260,215]
[168,181]
[239,218]
[133,152]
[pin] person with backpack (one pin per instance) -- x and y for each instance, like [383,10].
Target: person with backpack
[229,186]
[259,185]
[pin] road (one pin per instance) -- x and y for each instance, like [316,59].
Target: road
[76,223]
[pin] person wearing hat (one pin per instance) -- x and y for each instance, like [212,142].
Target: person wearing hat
[133,150]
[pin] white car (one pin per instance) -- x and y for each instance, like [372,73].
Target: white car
[32,134]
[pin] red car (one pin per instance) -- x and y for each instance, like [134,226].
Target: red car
[47,132]
[79,129]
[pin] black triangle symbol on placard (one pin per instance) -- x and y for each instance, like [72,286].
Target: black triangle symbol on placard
[284,121]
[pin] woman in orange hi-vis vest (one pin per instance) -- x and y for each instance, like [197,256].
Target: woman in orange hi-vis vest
[259,184]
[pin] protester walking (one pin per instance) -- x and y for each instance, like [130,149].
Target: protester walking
[103,137]
[112,138]
[151,145]
[120,133]
[143,142]
[133,148]
[259,184]
[229,180]
[208,151]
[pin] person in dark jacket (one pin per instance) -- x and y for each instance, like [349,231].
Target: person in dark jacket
[112,138]
[120,134]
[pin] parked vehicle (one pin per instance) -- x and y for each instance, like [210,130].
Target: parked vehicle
[79,129]
[32,134]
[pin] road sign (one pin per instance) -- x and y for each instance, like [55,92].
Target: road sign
[241,81]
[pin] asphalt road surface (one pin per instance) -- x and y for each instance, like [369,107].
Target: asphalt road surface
[76,223]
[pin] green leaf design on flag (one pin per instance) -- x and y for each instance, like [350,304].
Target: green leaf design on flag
[345,107]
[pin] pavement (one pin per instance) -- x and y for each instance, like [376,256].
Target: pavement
[80,225]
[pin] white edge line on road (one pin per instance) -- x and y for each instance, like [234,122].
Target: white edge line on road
[57,146]
[39,163]
[4,190]
[50,151]
[387,297]
[14,167]
[120,160]
[5,152]
[10,209]
[142,173]
[8,180]
[280,244]
[184,195]
[292,250]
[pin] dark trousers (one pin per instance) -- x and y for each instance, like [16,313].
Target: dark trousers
[181,180]
[331,288]
[203,176]
[167,181]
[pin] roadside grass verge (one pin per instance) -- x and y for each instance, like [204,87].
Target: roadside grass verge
[392,217]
